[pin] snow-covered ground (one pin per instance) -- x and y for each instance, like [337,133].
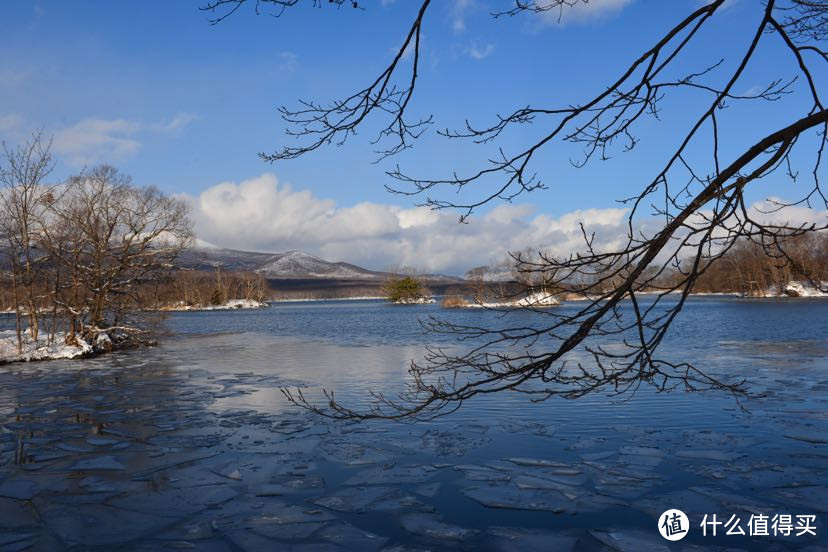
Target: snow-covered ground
[229,305]
[310,299]
[805,289]
[535,300]
[796,289]
[418,301]
[40,349]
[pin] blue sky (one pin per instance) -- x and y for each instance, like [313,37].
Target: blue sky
[154,89]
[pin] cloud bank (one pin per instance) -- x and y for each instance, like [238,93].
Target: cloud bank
[110,140]
[583,11]
[265,215]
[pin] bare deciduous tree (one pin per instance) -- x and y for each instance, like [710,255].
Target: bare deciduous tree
[699,200]
[122,237]
[23,199]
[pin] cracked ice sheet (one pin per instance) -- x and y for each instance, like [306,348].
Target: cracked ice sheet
[510,497]
[513,426]
[693,504]
[290,485]
[286,522]
[453,442]
[98,525]
[696,439]
[281,513]
[631,540]
[623,487]
[541,483]
[370,499]
[764,475]
[101,463]
[565,476]
[21,489]
[811,498]
[12,542]
[392,475]
[346,452]
[190,477]
[710,455]
[508,539]
[474,472]
[188,531]
[432,526]
[202,546]
[350,537]
[735,503]
[284,531]
[17,514]
[168,503]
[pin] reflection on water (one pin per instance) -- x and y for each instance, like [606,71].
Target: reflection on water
[192,445]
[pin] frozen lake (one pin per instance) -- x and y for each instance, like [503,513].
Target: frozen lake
[191,444]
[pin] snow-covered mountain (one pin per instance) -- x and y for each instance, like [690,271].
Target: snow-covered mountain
[293,265]
[207,258]
[299,265]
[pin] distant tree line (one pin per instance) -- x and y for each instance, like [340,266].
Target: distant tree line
[200,288]
[753,268]
[749,267]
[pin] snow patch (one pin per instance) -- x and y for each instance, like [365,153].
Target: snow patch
[796,289]
[40,349]
[417,301]
[805,289]
[538,299]
[229,305]
[311,299]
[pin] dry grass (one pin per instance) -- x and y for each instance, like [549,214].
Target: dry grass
[454,302]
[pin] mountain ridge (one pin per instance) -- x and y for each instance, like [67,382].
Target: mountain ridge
[289,265]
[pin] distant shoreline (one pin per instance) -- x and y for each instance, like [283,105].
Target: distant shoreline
[318,299]
[266,302]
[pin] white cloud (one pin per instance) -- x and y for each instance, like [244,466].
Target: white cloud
[460,10]
[178,122]
[110,140]
[263,214]
[769,212]
[417,216]
[408,53]
[582,11]
[478,52]
[288,61]
[97,139]
[10,122]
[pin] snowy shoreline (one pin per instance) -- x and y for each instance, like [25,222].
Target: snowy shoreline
[322,299]
[417,301]
[533,301]
[232,304]
[792,290]
[41,349]
[798,290]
